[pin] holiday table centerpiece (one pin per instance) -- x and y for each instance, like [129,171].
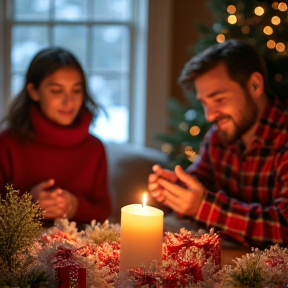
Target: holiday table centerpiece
[63,257]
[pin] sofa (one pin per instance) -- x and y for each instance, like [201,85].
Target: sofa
[128,168]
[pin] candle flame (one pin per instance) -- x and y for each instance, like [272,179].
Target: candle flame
[144,199]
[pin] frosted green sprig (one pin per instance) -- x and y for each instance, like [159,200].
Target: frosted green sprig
[100,233]
[20,223]
[268,268]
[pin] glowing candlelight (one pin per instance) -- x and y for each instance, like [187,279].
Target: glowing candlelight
[144,199]
[141,235]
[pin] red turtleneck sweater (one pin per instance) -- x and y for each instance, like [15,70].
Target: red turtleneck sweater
[70,155]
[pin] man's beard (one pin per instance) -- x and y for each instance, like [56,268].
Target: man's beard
[248,119]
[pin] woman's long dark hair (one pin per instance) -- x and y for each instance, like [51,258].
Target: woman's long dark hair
[44,63]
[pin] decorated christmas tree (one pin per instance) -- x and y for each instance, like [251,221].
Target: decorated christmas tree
[263,24]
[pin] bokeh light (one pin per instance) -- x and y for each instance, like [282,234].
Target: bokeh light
[282,6]
[190,153]
[166,148]
[232,19]
[190,114]
[275,20]
[271,44]
[268,30]
[231,9]
[280,47]
[220,38]
[278,77]
[194,130]
[183,126]
[245,30]
[259,11]
[217,27]
[275,5]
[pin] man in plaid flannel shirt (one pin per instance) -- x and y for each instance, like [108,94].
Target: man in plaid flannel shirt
[239,183]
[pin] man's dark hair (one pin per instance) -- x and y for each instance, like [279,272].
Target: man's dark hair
[240,58]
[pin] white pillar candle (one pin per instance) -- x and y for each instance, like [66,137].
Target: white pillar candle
[141,236]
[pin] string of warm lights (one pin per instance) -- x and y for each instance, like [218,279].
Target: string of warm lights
[188,150]
[259,11]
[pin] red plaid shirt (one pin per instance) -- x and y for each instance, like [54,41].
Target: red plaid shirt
[247,192]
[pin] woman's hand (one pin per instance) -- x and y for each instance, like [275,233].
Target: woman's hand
[55,202]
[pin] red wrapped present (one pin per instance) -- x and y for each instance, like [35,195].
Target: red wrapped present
[68,277]
[184,257]
[68,273]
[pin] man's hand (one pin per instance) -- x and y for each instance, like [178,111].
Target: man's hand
[182,200]
[155,189]
[55,202]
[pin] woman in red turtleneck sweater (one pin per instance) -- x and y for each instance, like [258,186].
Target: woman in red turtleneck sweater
[47,149]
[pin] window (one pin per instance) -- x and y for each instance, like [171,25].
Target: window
[105,35]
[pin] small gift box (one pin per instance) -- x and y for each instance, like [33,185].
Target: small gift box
[70,277]
[68,272]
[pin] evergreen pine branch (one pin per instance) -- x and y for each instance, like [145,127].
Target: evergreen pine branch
[20,226]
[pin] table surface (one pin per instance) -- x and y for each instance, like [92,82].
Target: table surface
[230,253]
